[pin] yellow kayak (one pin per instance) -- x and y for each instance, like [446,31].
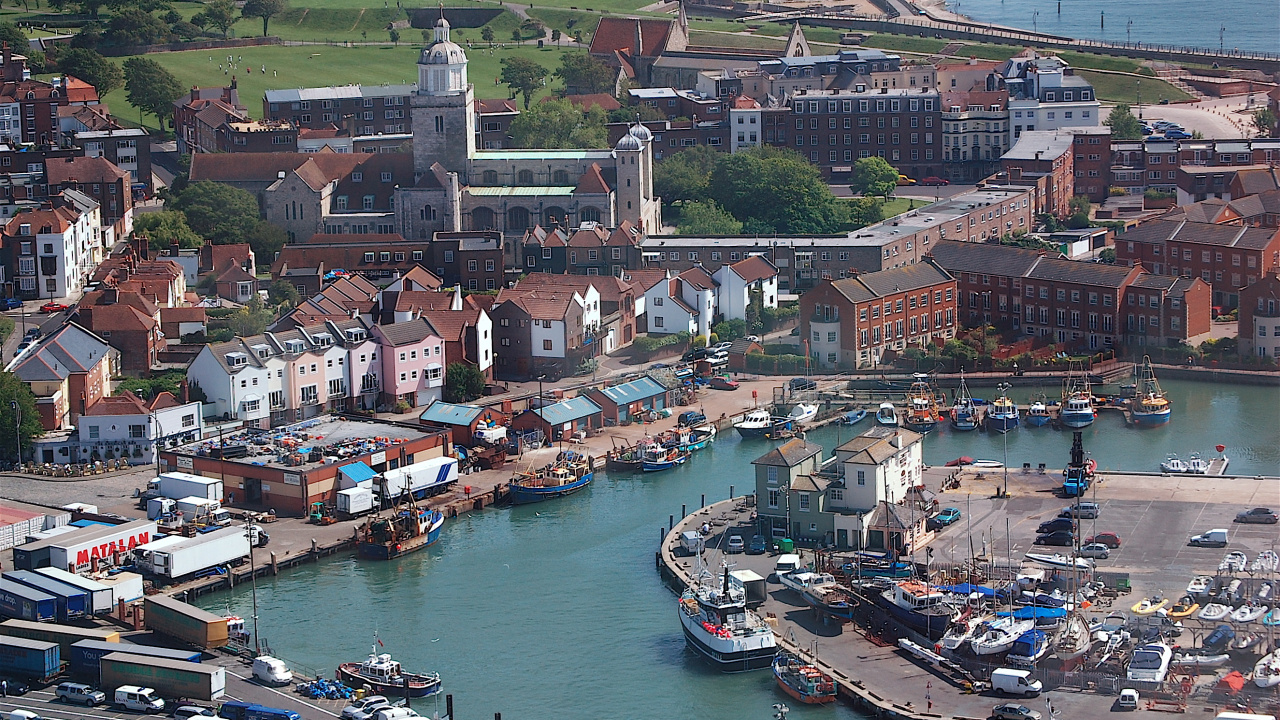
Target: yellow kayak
[1149,606]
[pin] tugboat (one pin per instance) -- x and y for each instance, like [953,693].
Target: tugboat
[1149,406]
[718,625]
[922,415]
[803,681]
[570,473]
[409,528]
[964,414]
[386,677]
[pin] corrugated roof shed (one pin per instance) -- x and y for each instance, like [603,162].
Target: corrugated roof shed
[568,410]
[629,392]
[443,413]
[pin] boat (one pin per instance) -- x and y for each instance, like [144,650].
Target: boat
[922,412]
[1266,562]
[570,473]
[1029,647]
[1200,585]
[803,580]
[987,464]
[853,417]
[1248,612]
[657,458]
[1173,465]
[1111,630]
[1058,560]
[408,528]
[998,636]
[1264,593]
[1149,606]
[923,608]
[803,413]
[887,414]
[834,600]
[958,635]
[960,461]
[627,459]
[1074,639]
[1002,416]
[1214,612]
[1197,465]
[385,677]
[1150,663]
[1198,661]
[1234,562]
[719,627]
[1077,409]
[755,424]
[1266,673]
[964,414]
[879,568]
[1271,619]
[1184,608]
[1246,641]
[1149,406]
[803,681]
[1038,414]
[698,438]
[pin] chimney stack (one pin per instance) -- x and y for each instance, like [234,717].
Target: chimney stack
[110,296]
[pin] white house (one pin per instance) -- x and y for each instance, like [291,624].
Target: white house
[124,426]
[878,465]
[687,302]
[62,242]
[737,281]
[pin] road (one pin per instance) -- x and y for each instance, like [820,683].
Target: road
[29,317]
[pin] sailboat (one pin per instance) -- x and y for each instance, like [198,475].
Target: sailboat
[964,415]
[922,413]
[1149,406]
[1077,401]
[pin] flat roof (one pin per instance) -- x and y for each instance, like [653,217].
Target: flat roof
[482,155]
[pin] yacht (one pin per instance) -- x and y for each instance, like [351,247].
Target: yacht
[1029,647]
[803,413]
[887,414]
[964,414]
[718,625]
[1038,413]
[755,424]
[1150,406]
[1003,414]
[998,636]
[1150,663]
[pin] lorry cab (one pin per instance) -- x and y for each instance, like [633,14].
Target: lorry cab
[138,699]
[786,563]
[271,671]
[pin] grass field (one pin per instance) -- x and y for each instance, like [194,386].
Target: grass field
[1124,88]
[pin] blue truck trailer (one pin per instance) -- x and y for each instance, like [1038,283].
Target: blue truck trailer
[73,602]
[31,659]
[26,603]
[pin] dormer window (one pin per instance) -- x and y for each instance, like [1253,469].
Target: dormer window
[263,351]
[355,335]
[357,176]
[386,177]
[237,359]
[293,346]
[323,339]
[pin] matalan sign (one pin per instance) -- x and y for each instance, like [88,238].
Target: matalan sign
[107,549]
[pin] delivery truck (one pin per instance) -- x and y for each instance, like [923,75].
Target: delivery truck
[423,479]
[72,602]
[202,511]
[354,502]
[100,596]
[30,659]
[19,601]
[169,678]
[64,635]
[180,485]
[84,655]
[184,622]
[189,556]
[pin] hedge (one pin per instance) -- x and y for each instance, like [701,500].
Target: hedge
[775,364]
[649,343]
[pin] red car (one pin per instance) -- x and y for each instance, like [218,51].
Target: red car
[52,307]
[723,383]
[1109,539]
[935,180]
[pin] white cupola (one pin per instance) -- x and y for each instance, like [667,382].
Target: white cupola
[442,66]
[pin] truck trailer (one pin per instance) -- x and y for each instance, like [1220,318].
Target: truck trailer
[170,678]
[84,655]
[354,502]
[84,548]
[101,599]
[181,485]
[72,602]
[19,601]
[31,659]
[181,621]
[64,635]
[185,557]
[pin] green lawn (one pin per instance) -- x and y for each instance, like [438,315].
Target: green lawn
[904,43]
[567,21]
[1124,88]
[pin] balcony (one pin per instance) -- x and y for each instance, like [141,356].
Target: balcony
[310,399]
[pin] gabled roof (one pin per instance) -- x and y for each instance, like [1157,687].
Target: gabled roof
[82,170]
[592,182]
[629,392]
[408,332]
[887,282]
[443,413]
[1161,230]
[642,280]
[452,324]
[698,278]
[876,445]
[1097,274]
[588,237]
[885,515]
[604,101]
[754,269]
[567,410]
[126,403]
[611,289]
[987,258]
[541,303]
[789,454]
[617,34]
[70,350]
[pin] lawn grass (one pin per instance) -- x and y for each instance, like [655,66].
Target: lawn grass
[567,21]
[898,205]
[1100,62]
[904,43]
[1124,88]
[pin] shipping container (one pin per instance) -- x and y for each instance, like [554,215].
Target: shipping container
[32,659]
[84,655]
[19,601]
[354,502]
[85,547]
[181,621]
[64,635]
[101,599]
[189,556]
[125,587]
[73,603]
[169,678]
[181,485]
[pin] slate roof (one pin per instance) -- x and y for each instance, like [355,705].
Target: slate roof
[874,446]
[810,483]
[1098,274]
[985,258]
[885,515]
[789,454]
[1255,180]
[69,350]
[408,332]
[443,413]
[629,392]
[1161,230]
[886,282]
[568,410]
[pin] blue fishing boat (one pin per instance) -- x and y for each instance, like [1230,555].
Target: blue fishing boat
[964,414]
[570,473]
[834,600]
[920,607]
[1077,409]
[1038,413]
[657,458]
[1002,415]
[699,437]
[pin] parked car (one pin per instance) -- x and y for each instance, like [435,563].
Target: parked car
[1056,524]
[718,358]
[1097,551]
[935,180]
[1014,711]
[802,383]
[946,517]
[1060,537]
[52,307]
[735,544]
[758,545]
[1213,538]
[1109,539]
[694,354]
[186,712]
[364,706]
[1084,511]
[723,383]
[1177,135]
[1128,699]
[79,693]
[753,338]
[721,346]
[12,303]
[32,332]
[14,686]
[904,180]
[1258,515]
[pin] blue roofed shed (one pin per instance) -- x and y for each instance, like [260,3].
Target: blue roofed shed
[462,420]
[569,416]
[357,474]
[626,402]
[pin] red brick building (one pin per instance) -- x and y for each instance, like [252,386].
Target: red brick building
[257,136]
[98,178]
[1167,310]
[129,322]
[1259,323]
[1047,155]
[1092,161]
[1227,257]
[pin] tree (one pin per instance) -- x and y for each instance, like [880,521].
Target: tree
[252,319]
[150,88]
[1124,126]
[865,211]
[773,190]
[555,35]
[486,34]
[92,68]
[523,76]
[517,37]
[166,227]
[15,431]
[874,176]
[1079,204]
[218,14]
[1107,256]
[643,113]
[265,9]
[132,26]
[685,175]
[394,34]
[187,30]
[13,35]
[559,124]
[91,6]
[1265,121]
[462,383]
[282,292]
[707,218]
[266,239]
[221,213]
[584,74]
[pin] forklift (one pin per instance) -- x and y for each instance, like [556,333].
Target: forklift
[321,514]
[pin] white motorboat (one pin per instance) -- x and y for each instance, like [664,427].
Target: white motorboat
[1196,661]
[805,580]
[1248,612]
[1150,663]
[1029,647]
[986,464]
[755,424]
[803,412]
[1264,593]
[998,636]
[1266,673]
[1199,585]
[718,625]
[1214,612]
[1197,465]
[1173,465]
[1266,562]
[887,415]
[1234,562]
[960,632]
[1058,560]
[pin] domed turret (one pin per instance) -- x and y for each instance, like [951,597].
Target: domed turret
[442,65]
[641,133]
[629,142]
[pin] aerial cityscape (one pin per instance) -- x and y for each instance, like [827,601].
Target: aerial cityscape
[855,359]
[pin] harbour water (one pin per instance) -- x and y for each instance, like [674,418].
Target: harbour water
[555,610]
[1250,24]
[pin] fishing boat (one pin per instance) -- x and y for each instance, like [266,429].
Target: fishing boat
[887,415]
[719,627]
[657,458]
[834,600]
[803,412]
[922,413]
[1074,639]
[964,414]
[1077,402]
[1266,673]
[998,636]
[570,473]
[803,681]
[1029,647]
[386,677]
[627,459]
[1197,465]
[1214,612]
[1002,416]
[1149,406]
[698,438]
[923,608]
[1150,663]
[1248,612]
[1266,562]
[1038,414]
[853,417]
[1184,608]
[1173,465]
[1234,562]
[1200,585]
[755,424]
[410,527]
[1149,606]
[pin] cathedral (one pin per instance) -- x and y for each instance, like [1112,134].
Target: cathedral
[457,187]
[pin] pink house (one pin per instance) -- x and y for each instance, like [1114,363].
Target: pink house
[412,362]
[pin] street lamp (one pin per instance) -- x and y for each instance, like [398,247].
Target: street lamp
[253,580]
[1034,17]
[17,430]
[1128,32]
[1004,437]
[1222,30]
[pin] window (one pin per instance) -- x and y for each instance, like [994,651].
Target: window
[774,496]
[862,477]
[804,501]
[137,431]
[546,344]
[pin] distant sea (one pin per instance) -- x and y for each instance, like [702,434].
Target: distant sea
[1250,24]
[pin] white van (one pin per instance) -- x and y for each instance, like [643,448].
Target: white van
[138,699]
[786,563]
[394,713]
[22,715]
[271,671]
[1008,681]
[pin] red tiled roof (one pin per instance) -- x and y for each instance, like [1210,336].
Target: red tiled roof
[642,280]
[592,182]
[611,289]
[743,102]
[492,106]
[126,403]
[698,277]
[452,324]
[615,34]
[162,400]
[57,220]
[82,170]
[183,314]
[266,167]
[754,268]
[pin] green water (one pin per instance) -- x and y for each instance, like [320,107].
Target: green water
[555,610]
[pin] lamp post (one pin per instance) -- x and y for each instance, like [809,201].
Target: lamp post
[1034,17]
[1004,438]
[1128,32]
[17,430]
[253,580]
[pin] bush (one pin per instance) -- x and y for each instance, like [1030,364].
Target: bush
[1154,194]
[776,364]
[650,343]
[730,330]
[6,327]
